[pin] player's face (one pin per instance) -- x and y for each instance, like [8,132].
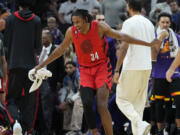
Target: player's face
[164,22]
[78,22]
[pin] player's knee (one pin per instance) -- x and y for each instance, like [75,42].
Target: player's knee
[101,106]
[87,97]
[159,110]
[87,103]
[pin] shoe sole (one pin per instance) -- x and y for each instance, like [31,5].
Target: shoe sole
[148,128]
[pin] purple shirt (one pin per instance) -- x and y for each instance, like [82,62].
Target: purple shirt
[164,61]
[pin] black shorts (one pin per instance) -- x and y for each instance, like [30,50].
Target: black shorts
[164,90]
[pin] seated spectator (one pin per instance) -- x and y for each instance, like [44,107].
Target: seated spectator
[69,99]
[53,27]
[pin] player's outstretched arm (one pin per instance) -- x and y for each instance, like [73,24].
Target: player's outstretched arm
[105,28]
[173,66]
[58,51]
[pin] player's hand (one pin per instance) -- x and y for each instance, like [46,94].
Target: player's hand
[116,77]
[37,68]
[169,74]
[164,34]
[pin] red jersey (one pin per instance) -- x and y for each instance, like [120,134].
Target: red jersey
[90,48]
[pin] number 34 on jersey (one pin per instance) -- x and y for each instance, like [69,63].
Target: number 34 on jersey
[94,56]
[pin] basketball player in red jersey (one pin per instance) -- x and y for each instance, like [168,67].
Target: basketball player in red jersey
[95,70]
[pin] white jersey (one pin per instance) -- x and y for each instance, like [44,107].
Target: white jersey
[138,57]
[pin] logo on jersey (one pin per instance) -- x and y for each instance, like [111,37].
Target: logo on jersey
[166,47]
[76,33]
[86,46]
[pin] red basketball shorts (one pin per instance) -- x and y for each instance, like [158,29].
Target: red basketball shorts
[96,76]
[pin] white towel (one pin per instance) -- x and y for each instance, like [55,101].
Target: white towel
[38,77]
[172,40]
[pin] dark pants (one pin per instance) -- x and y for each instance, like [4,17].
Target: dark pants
[21,104]
[48,119]
[45,110]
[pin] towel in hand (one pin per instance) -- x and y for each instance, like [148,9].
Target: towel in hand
[174,45]
[38,77]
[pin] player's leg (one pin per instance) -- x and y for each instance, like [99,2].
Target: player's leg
[152,113]
[14,94]
[102,96]
[87,93]
[175,86]
[87,97]
[169,118]
[126,101]
[161,90]
[103,80]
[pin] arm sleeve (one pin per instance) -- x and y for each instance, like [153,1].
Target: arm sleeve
[127,28]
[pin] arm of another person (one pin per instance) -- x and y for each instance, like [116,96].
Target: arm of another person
[122,54]
[155,49]
[4,63]
[107,31]
[4,70]
[2,24]
[58,51]
[173,66]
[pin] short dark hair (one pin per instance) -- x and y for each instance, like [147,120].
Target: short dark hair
[71,63]
[83,13]
[26,3]
[164,14]
[135,5]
